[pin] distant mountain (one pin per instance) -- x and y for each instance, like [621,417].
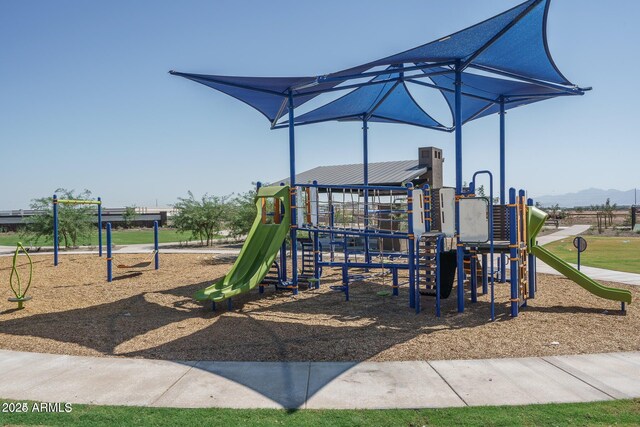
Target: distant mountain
[588,197]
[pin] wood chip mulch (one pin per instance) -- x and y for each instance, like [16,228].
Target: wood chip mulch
[150,314]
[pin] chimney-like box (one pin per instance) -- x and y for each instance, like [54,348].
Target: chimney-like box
[431,158]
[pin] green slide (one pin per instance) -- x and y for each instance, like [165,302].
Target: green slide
[259,250]
[535,221]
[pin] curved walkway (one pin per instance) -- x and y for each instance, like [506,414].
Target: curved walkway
[339,385]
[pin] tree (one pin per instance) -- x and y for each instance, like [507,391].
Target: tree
[202,218]
[242,213]
[75,222]
[128,216]
[480,191]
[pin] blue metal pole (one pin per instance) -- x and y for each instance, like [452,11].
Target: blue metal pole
[155,245]
[414,291]
[458,124]
[439,249]
[531,263]
[503,188]
[492,248]
[365,161]
[55,230]
[394,282]
[292,181]
[109,257]
[100,227]
[503,180]
[473,280]
[283,253]
[485,272]
[316,245]
[522,239]
[513,251]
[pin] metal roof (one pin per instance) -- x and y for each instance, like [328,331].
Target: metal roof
[382,173]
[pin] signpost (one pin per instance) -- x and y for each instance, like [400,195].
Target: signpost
[581,245]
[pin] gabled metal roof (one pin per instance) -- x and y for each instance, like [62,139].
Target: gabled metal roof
[382,173]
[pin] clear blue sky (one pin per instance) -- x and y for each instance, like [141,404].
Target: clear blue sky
[86,100]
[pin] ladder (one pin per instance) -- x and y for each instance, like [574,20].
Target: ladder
[427,264]
[306,246]
[272,277]
[307,273]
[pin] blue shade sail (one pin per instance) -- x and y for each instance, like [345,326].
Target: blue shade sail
[491,89]
[513,41]
[265,94]
[269,95]
[385,99]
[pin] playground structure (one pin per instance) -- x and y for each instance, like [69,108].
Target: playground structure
[16,286]
[154,256]
[56,202]
[472,65]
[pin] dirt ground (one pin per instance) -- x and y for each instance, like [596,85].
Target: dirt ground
[151,314]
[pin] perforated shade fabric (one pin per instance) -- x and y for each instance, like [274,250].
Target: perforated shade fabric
[474,87]
[386,99]
[269,95]
[513,41]
[512,44]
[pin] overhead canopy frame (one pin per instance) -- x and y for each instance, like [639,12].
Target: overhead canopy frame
[511,65]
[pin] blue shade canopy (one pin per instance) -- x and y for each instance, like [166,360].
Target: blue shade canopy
[385,99]
[513,42]
[269,95]
[482,94]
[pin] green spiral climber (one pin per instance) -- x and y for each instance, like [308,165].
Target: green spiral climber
[14,279]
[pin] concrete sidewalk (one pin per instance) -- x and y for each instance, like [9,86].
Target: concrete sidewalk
[339,385]
[562,233]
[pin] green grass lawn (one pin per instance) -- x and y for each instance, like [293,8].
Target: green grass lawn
[120,237]
[613,253]
[619,412]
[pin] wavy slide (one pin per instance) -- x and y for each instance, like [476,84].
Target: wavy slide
[258,252]
[536,219]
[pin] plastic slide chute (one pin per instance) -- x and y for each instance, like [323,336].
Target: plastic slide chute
[259,251]
[535,221]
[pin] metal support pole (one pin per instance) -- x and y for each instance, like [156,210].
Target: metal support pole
[55,230]
[283,253]
[531,262]
[522,239]
[414,294]
[365,161]
[99,226]
[458,131]
[156,245]
[503,180]
[109,257]
[513,251]
[503,183]
[294,214]
[394,281]
[473,279]
[316,242]
[485,271]
[439,250]
[345,281]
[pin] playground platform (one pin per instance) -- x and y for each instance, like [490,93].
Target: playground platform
[339,385]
